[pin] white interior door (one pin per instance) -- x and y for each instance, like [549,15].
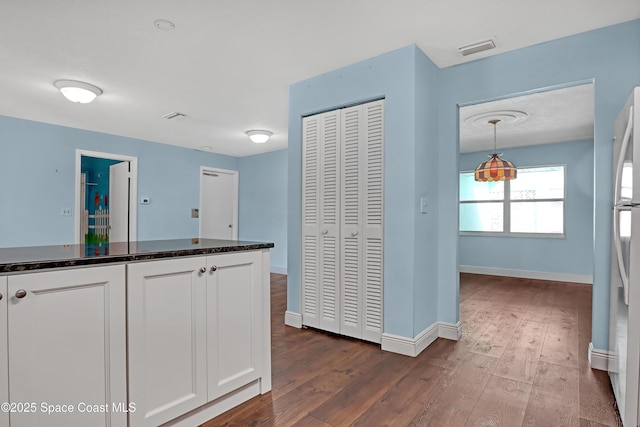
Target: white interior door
[218,204]
[119,202]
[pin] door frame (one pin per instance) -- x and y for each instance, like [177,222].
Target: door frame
[133,190]
[234,196]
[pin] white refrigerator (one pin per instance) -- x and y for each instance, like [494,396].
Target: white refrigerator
[624,317]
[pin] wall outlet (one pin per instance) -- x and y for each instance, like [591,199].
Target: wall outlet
[65,211]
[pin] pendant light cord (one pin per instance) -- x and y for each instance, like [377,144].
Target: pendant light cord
[494,122]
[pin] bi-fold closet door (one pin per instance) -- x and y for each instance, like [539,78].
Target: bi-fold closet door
[342,210]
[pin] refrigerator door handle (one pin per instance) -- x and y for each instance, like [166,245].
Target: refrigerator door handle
[623,151]
[618,244]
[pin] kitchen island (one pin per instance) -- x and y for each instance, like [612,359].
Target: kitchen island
[167,332]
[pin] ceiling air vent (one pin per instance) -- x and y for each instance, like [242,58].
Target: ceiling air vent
[477,47]
[173,115]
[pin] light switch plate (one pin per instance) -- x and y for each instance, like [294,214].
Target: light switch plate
[423,205]
[195,213]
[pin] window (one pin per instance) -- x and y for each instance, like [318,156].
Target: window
[531,204]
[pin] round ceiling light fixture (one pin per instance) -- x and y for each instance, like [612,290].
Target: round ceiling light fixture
[76,91]
[259,136]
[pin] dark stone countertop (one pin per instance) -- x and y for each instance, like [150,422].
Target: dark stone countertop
[14,260]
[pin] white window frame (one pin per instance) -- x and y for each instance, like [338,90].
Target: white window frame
[506,206]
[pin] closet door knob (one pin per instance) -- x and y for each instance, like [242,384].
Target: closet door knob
[213,268]
[354,233]
[325,232]
[0,297]
[203,270]
[21,293]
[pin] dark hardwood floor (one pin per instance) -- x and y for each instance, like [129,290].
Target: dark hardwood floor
[522,360]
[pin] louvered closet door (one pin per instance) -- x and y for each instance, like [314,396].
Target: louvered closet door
[310,257]
[351,221]
[372,226]
[361,221]
[321,206]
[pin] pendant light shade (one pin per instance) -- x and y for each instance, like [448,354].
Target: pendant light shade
[496,168]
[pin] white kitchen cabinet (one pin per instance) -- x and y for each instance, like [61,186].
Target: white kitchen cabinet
[342,220]
[167,338]
[234,321]
[67,347]
[199,336]
[4,362]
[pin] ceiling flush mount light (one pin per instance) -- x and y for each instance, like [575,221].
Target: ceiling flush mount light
[76,91]
[259,136]
[495,169]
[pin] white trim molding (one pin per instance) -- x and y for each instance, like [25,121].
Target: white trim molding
[450,331]
[293,319]
[414,346]
[599,359]
[527,274]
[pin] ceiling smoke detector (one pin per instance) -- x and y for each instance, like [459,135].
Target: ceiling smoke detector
[164,24]
[476,47]
[173,115]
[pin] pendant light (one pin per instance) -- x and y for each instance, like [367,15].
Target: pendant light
[495,169]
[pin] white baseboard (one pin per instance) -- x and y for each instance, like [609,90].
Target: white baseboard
[414,346]
[450,331]
[278,270]
[599,359]
[293,319]
[526,274]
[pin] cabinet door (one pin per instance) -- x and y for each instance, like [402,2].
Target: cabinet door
[67,346]
[4,363]
[234,321]
[167,339]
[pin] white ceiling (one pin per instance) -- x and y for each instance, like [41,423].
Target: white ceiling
[560,115]
[228,63]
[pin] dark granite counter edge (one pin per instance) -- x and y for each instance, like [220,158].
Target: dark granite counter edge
[144,256]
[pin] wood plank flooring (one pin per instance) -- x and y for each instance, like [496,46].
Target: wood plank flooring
[521,361]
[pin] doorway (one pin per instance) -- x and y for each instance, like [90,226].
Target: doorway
[106,194]
[218,204]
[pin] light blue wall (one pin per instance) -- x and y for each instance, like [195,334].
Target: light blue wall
[572,254]
[37,179]
[425,305]
[263,203]
[610,56]
[392,76]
